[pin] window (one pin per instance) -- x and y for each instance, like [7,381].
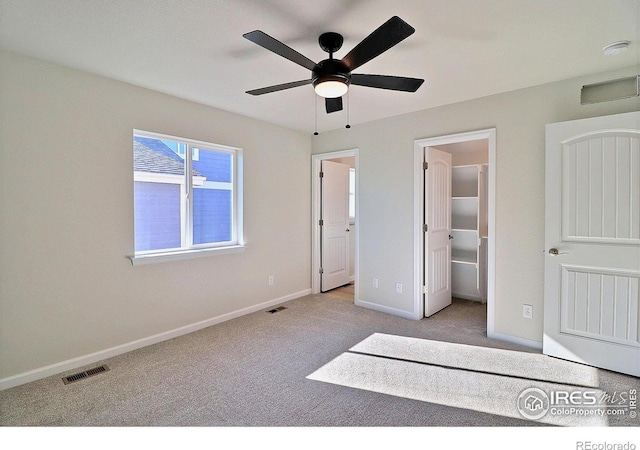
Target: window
[187,196]
[352,194]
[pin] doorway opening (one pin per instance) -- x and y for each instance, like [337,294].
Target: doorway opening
[470,264]
[346,286]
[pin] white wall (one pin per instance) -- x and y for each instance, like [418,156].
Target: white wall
[67,289]
[387,186]
[468,152]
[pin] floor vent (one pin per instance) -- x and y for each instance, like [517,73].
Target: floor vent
[278,309]
[86,374]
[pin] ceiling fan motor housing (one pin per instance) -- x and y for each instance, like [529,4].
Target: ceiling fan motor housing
[331,70]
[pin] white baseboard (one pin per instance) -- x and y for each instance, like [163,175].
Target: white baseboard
[386,309]
[515,340]
[73,363]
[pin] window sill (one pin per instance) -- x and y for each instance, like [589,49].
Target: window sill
[152,258]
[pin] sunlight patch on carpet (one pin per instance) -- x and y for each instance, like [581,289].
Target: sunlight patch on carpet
[463,376]
[480,359]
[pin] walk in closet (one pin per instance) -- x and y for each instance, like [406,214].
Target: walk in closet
[469,219]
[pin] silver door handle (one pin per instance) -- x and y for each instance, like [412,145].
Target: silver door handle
[555,252]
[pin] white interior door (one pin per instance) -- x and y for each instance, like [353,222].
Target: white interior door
[437,242]
[592,234]
[334,234]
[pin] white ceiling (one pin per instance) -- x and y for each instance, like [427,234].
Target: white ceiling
[194,49]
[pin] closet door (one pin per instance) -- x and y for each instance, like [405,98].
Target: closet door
[437,252]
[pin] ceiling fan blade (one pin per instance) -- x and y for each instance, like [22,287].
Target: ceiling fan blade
[266,41]
[387,82]
[386,36]
[278,87]
[333,104]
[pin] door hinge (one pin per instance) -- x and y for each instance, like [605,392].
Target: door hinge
[425,290]
[321,222]
[321,270]
[425,228]
[321,174]
[425,165]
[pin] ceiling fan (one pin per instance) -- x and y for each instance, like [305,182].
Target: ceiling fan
[332,77]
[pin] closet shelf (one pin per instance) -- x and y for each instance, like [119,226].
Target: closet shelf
[464,223]
[465,258]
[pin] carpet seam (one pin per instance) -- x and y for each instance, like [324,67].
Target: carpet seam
[444,366]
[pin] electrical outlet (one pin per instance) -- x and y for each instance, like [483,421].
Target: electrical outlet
[375,283]
[398,288]
[270,280]
[527,311]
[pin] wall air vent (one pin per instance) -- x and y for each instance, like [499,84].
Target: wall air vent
[86,374]
[278,309]
[610,90]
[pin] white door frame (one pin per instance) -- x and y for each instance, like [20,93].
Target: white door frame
[316,161]
[418,208]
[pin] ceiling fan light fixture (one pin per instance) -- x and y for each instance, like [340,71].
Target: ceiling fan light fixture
[331,86]
[331,89]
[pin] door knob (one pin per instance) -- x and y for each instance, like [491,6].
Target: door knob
[347,230]
[555,252]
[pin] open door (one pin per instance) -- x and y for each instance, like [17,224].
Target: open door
[334,229]
[437,238]
[592,236]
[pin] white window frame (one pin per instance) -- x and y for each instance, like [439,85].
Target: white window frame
[188,249]
[181,152]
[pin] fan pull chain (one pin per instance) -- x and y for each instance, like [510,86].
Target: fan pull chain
[315,133]
[348,102]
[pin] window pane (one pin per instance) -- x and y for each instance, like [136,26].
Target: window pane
[214,165]
[158,187]
[157,216]
[212,197]
[352,193]
[153,156]
[211,215]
